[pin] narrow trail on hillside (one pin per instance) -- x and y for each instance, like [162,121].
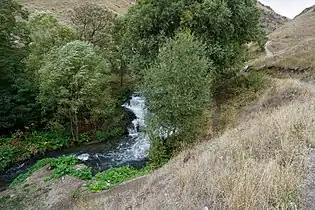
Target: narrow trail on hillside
[268,52]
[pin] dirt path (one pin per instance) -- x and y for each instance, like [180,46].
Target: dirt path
[268,52]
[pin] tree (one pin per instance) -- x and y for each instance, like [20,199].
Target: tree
[178,88]
[223,25]
[16,108]
[73,86]
[117,53]
[46,33]
[93,23]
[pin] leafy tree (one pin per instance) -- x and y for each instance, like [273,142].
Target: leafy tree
[177,88]
[73,86]
[223,25]
[118,52]
[16,107]
[46,33]
[93,23]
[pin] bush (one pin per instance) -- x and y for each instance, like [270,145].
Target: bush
[7,156]
[178,89]
[47,140]
[60,167]
[112,177]
[64,166]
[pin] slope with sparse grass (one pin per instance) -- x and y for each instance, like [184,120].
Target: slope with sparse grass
[259,164]
[61,8]
[270,19]
[293,44]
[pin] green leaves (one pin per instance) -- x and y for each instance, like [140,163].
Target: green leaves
[178,87]
[224,26]
[73,84]
[112,177]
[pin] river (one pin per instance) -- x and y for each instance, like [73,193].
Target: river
[131,149]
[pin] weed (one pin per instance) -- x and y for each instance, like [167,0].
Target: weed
[112,177]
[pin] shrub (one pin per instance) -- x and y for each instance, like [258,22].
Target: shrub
[60,167]
[178,89]
[7,156]
[112,177]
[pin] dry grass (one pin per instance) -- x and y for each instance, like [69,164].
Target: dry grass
[293,44]
[62,7]
[259,164]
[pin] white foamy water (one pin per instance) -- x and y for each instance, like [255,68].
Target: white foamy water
[134,147]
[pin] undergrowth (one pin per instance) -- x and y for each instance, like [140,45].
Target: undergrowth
[60,167]
[66,166]
[112,177]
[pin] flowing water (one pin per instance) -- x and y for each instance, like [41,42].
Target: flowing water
[128,150]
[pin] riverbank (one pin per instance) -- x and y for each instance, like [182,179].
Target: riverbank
[129,149]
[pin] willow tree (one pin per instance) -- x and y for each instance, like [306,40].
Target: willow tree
[178,89]
[73,86]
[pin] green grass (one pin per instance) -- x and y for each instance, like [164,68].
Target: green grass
[113,177]
[17,149]
[65,166]
[60,167]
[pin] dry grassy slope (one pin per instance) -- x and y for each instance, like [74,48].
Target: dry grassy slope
[270,19]
[259,164]
[62,7]
[293,44]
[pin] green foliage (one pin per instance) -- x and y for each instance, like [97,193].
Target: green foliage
[7,154]
[225,26]
[105,136]
[112,177]
[73,86]
[60,167]
[20,148]
[23,177]
[64,166]
[178,88]
[46,33]
[158,155]
[16,98]
[46,140]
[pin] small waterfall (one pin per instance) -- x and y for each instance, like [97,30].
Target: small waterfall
[127,150]
[133,148]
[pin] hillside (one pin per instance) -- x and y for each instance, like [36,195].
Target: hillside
[260,159]
[61,8]
[292,45]
[258,164]
[270,19]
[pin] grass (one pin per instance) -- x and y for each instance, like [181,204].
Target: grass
[61,8]
[65,166]
[257,164]
[21,147]
[112,177]
[293,44]
[60,167]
